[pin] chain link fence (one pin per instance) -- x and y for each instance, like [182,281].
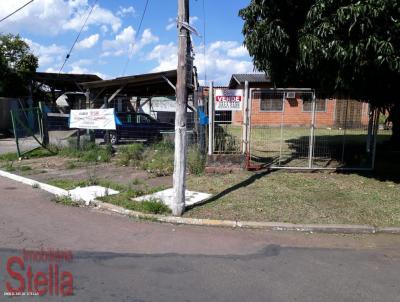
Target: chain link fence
[294,129]
[27,128]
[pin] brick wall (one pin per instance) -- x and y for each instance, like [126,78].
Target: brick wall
[294,115]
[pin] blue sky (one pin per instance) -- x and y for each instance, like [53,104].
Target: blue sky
[111,37]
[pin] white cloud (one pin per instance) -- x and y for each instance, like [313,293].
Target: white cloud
[238,52]
[165,55]
[193,19]
[124,11]
[99,16]
[89,42]
[172,22]
[49,55]
[221,61]
[84,70]
[51,17]
[126,42]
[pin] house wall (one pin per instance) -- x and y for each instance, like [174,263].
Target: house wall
[293,114]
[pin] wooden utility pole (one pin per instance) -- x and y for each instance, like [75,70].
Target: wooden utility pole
[178,206]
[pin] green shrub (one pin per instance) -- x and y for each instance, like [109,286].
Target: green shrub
[159,158]
[159,162]
[89,152]
[196,162]
[9,167]
[154,206]
[8,156]
[131,154]
[166,146]
[66,201]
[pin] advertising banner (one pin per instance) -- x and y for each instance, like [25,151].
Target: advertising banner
[93,119]
[228,99]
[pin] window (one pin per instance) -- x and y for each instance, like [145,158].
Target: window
[320,105]
[143,119]
[269,102]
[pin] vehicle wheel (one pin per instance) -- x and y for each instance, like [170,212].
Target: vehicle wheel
[113,138]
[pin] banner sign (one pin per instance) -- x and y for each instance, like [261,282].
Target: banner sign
[228,100]
[93,119]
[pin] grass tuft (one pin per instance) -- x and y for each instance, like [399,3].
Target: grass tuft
[66,201]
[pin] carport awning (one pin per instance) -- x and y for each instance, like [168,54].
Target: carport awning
[144,85]
[63,81]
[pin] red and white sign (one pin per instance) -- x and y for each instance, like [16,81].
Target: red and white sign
[228,100]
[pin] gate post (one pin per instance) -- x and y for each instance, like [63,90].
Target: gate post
[211,114]
[245,130]
[312,132]
[44,124]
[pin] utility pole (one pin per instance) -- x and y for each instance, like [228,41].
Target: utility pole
[178,206]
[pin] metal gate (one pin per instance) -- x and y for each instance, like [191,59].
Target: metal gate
[294,129]
[226,127]
[28,129]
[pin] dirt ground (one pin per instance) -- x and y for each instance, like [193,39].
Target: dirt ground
[56,167]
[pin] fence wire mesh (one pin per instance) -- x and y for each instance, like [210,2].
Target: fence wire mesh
[294,129]
[27,127]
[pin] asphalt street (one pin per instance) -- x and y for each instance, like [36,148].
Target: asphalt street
[116,258]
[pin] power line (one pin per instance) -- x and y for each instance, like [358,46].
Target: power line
[137,35]
[6,17]
[77,37]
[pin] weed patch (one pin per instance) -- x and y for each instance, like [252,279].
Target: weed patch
[66,201]
[131,154]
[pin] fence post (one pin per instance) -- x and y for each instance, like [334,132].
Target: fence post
[78,135]
[371,116]
[107,137]
[312,132]
[44,124]
[345,131]
[245,130]
[375,135]
[211,113]
[202,132]
[15,133]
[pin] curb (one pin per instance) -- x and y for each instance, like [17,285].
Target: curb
[269,226]
[30,182]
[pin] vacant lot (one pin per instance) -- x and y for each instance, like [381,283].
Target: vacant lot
[268,196]
[299,198]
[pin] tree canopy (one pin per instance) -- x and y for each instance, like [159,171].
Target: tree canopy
[338,46]
[345,47]
[16,64]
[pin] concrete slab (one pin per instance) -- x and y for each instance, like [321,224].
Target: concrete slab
[89,194]
[167,197]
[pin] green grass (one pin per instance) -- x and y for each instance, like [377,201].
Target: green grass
[66,201]
[8,156]
[88,153]
[124,199]
[70,184]
[131,154]
[299,198]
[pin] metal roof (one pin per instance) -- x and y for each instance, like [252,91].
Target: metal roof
[63,81]
[239,79]
[151,84]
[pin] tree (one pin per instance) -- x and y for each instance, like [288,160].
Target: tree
[271,32]
[346,47]
[17,63]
